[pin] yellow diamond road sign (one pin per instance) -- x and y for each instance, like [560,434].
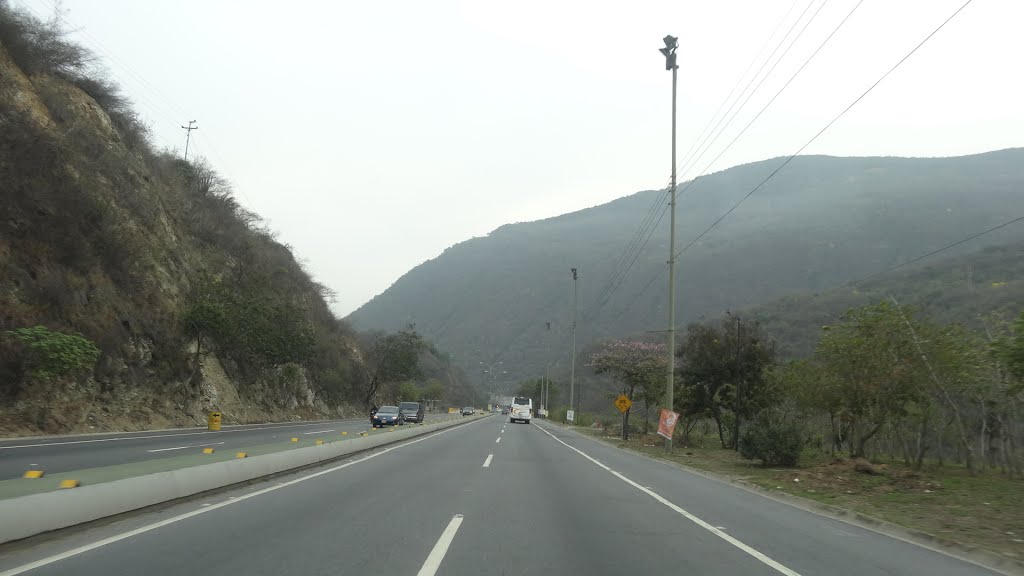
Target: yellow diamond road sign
[623,403]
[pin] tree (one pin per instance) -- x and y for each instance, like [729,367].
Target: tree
[723,371]
[1012,349]
[637,365]
[392,358]
[873,368]
[54,354]
[434,390]
[409,392]
[534,388]
[774,440]
[249,319]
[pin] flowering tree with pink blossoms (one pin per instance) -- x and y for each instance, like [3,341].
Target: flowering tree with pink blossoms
[639,366]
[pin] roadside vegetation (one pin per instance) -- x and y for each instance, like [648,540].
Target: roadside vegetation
[129,275]
[894,415]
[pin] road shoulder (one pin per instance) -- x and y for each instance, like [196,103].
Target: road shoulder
[975,555]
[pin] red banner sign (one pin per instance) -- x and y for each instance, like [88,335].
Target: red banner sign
[667,423]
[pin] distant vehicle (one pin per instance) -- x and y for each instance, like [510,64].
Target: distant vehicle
[468,410]
[504,410]
[387,416]
[521,410]
[412,411]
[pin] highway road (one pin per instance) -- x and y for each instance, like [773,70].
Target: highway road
[56,454]
[483,498]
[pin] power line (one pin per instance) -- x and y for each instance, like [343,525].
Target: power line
[99,46]
[934,252]
[689,165]
[858,99]
[635,240]
[636,246]
[739,80]
[620,272]
[880,272]
[625,274]
[154,108]
[827,126]
[784,86]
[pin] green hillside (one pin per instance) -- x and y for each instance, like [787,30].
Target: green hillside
[960,289]
[821,222]
[135,291]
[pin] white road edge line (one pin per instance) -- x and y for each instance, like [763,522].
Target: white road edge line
[234,500]
[487,464]
[717,532]
[433,561]
[183,447]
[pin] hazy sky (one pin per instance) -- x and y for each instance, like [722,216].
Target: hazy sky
[374,134]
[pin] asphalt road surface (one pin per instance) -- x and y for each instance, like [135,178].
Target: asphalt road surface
[484,498]
[56,454]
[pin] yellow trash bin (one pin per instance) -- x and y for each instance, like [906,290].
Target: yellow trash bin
[213,422]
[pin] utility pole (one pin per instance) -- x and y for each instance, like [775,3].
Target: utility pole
[544,390]
[188,135]
[739,387]
[572,365]
[669,51]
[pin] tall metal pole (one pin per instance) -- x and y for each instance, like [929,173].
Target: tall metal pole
[547,393]
[669,51]
[546,387]
[572,365]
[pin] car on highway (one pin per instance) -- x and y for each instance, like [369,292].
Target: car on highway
[468,410]
[521,410]
[387,416]
[411,411]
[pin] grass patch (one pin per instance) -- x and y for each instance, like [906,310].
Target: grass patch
[946,501]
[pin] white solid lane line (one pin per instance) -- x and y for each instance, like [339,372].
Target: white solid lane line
[183,447]
[716,531]
[433,561]
[153,436]
[487,464]
[234,500]
[498,440]
[317,432]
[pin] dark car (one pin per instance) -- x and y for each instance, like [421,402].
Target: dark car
[411,411]
[387,416]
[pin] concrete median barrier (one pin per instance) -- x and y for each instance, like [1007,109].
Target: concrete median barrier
[38,513]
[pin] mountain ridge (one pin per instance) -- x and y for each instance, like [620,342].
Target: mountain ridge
[820,221]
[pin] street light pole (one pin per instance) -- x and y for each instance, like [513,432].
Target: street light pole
[489,369]
[671,43]
[572,365]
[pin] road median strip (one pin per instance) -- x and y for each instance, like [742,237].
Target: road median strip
[100,496]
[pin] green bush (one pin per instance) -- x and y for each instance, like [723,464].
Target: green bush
[773,441]
[55,354]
